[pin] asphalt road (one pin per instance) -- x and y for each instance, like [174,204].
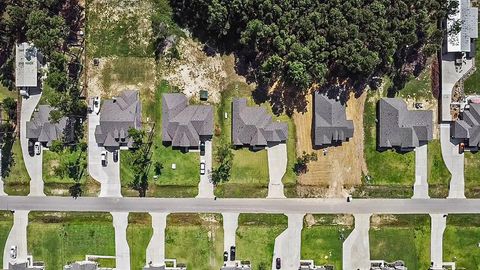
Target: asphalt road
[192,205]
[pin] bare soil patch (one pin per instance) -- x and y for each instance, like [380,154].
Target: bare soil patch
[343,165]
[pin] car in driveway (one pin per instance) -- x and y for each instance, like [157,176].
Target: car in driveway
[232,253]
[104,157]
[115,156]
[225,256]
[96,105]
[13,252]
[38,148]
[202,167]
[202,148]
[278,263]
[31,150]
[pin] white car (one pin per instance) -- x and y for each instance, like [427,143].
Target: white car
[96,105]
[104,158]
[13,252]
[38,148]
[202,167]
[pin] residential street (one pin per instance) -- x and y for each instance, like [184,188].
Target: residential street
[17,237]
[32,163]
[155,255]
[277,166]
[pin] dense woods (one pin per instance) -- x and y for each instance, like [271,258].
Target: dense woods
[318,41]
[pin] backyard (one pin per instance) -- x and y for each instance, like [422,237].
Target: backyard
[472,83]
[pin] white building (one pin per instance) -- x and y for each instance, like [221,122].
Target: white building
[467,19]
[26,65]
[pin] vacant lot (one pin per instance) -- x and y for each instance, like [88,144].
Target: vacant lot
[404,238]
[139,233]
[460,241]
[196,240]
[59,238]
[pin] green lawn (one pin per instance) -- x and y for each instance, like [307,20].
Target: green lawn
[16,178]
[255,238]
[194,241]
[472,83]
[186,173]
[472,178]
[139,233]
[57,241]
[418,88]
[6,222]
[460,244]
[407,239]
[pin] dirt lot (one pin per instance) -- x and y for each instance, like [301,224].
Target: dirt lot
[343,165]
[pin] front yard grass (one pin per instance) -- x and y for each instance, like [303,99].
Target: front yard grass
[460,241]
[16,178]
[196,240]
[255,238]
[6,222]
[57,240]
[407,238]
[472,178]
[472,83]
[139,233]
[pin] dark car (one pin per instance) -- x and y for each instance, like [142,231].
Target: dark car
[202,148]
[225,256]
[115,156]
[31,148]
[232,253]
[278,263]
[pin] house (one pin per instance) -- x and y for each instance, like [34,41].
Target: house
[310,265]
[117,117]
[330,121]
[467,128]
[382,265]
[254,127]
[402,128]
[41,129]
[236,265]
[183,125]
[29,264]
[170,264]
[462,27]
[26,65]
[84,265]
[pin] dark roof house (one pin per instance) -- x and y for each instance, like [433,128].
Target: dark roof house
[82,265]
[117,116]
[41,129]
[468,127]
[330,121]
[25,266]
[401,128]
[185,125]
[253,126]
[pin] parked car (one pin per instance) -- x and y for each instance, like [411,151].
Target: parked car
[38,148]
[202,148]
[202,167]
[13,252]
[349,198]
[24,93]
[96,105]
[232,253]
[278,263]
[104,158]
[225,256]
[461,148]
[31,150]
[115,156]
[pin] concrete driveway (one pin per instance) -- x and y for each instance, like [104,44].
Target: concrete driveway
[108,176]
[356,248]
[33,164]
[420,188]
[17,237]
[156,248]
[122,250]
[454,161]
[288,244]
[439,222]
[230,225]
[277,166]
[205,187]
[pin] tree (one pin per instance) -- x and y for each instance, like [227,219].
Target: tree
[224,157]
[158,167]
[47,32]
[9,104]
[55,116]
[57,146]
[301,165]
[76,190]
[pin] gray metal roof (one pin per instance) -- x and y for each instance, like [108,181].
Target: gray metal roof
[117,116]
[467,16]
[83,265]
[23,266]
[253,126]
[41,129]
[468,127]
[184,125]
[26,65]
[402,128]
[330,121]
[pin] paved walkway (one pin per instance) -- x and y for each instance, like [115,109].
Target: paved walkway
[108,176]
[122,250]
[356,248]
[205,187]
[420,188]
[230,225]
[277,166]
[33,164]
[156,248]
[288,244]
[454,161]
[439,222]
[17,237]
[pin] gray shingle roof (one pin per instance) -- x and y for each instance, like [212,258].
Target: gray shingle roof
[83,265]
[41,129]
[330,122]
[253,126]
[468,127]
[235,268]
[402,128]
[23,266]
[117,116]
[26,65]
[467,16]
[185,125]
